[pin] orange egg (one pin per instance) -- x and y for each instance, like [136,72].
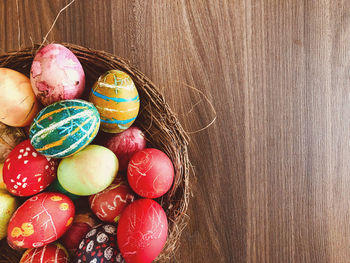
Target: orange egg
[18,103]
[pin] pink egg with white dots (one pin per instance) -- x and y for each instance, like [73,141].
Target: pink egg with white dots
[26,172]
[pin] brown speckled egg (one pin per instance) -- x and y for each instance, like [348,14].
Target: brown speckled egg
[26,172]
[99,245]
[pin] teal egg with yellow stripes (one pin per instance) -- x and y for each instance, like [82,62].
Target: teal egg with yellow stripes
[64,128]
[116,98]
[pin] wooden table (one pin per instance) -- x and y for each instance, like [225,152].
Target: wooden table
[272,173]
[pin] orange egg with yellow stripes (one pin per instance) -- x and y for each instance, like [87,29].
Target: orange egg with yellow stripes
[54,253]
[40,220]
[116,98]
[64,128]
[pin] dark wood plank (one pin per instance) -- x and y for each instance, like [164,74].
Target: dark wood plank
[272,172]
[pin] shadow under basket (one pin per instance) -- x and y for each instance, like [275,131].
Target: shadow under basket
[161,126]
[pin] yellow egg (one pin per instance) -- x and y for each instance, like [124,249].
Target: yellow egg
[18,103]
[116,98]
[8,205]
[2,184]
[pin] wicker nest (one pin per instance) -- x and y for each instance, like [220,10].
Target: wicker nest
[161,126]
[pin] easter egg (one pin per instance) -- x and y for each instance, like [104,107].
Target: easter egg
[125,144]
[18,103]
[150,173]
[110,203]
[9,138]
[8,205]
[40,220]
[51,253]
[56,74]
[99,245]
[27,172]
[142,231]
[57,187]
[89,171]
[116,98]
[82,224]
[64,128]
[2,184]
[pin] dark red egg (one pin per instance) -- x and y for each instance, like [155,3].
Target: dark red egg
[40,220]
[110,203]
[82,224]
[99,245]
[142,231]
[150,173]
[26,172]
[125,144]
[54,253]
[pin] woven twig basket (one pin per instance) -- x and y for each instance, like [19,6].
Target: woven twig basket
[160,124]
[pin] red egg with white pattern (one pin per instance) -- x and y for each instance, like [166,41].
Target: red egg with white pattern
[26,172]
[54,253]
[150,173]
[142,231]
[40,220]
[110,203]
[125,144]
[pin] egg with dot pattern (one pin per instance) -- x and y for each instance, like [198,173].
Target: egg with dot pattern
[26,172]
[99,245]
[116,98]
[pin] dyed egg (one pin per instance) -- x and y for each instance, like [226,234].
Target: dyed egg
[2,184]
[89,171]
[116,98]
[56,74]
[99,245]
[40,220]
[27,172]
[150,173]
[17,100]
[82,224]
[64,128]
[110,203]
[51,253]
[57,187]
[142,231]
[125,144]
[9,138]
[8,205]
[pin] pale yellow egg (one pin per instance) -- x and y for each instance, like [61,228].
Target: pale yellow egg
[8,205]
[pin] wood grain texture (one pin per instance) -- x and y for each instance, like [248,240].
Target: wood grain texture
[272,180]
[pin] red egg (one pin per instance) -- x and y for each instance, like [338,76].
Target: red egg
[54,253]
[150,173]
[82,224]
[40,220]
[27,172]
[110,203]
[125,144]
[142,231]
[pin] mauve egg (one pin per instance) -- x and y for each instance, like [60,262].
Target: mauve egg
[27,172]
[40,220]
[18,103]
[99,245]
[150,173]
[51,253]
[125,144]
[110,203]
[56,74]
[82,224]
[142,231]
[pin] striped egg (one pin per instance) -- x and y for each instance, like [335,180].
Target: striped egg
[64,128]
[116,98]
